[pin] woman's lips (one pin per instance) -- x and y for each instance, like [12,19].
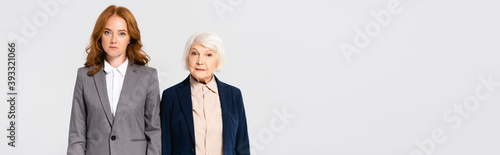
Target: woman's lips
[197,69]
[113,47]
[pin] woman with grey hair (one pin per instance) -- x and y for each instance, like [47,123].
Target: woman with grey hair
[202,115]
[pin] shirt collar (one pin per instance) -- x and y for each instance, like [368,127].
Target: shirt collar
[212,85]
[122,69]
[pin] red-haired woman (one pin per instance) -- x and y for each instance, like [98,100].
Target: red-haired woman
[116,97]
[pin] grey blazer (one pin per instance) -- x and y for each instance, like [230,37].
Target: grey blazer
[135,129]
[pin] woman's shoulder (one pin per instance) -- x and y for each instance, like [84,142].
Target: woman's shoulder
[83,70]
[235,90]
[226,85]
[145,68]
[172,89]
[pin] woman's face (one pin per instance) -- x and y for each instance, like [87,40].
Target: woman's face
[202,62]
[115,37]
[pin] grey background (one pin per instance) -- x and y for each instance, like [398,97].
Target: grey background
[285,56]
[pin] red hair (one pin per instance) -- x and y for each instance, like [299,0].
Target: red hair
[95,52]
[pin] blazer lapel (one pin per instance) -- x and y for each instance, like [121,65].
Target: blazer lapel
[225,101]
[128,86]
[186,105]
[100,84]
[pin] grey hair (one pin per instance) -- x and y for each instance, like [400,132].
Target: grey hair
[209,40]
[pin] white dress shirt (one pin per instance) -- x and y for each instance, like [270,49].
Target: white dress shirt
[114,82]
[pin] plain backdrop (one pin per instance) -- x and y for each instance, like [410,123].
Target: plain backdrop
[317,77]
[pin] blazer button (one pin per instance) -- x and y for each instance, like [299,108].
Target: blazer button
[113,137]
[192,151]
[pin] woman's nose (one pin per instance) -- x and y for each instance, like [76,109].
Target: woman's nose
[113,39]
[200,61]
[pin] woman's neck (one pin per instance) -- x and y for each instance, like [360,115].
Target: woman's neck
[115,61]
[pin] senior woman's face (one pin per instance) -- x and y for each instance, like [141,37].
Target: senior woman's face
[202,62]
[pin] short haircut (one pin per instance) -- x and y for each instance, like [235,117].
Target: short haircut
[209,40]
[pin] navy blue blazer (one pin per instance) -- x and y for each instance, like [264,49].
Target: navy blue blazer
[177,120]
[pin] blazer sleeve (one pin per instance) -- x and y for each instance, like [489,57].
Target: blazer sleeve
[166,115]
[152,116]
[77,125]
[242,140]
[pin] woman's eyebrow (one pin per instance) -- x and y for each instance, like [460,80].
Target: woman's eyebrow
[118,30]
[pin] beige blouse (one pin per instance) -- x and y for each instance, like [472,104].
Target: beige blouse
[207,117]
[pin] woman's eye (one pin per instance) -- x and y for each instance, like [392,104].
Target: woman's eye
[122,34]
[209,55]
[193,53]
[106,32]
